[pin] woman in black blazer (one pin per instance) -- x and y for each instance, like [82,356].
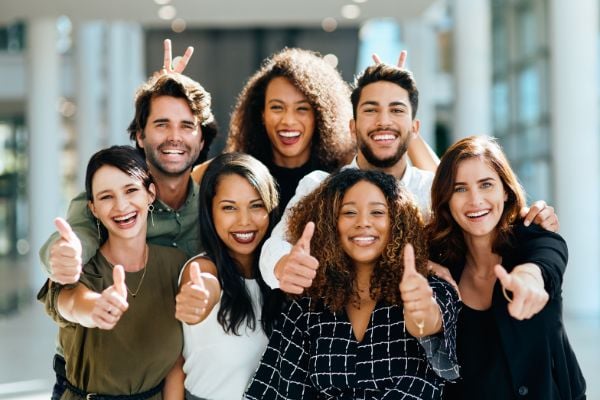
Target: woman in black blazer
[511,341]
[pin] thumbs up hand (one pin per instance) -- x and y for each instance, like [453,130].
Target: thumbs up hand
[297,269]
[421,311]
[112,303]
[65,255]
[527,286]
[192,302]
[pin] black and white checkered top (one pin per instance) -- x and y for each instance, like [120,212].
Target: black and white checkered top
[315,355]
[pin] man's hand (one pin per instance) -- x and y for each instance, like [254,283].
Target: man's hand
[111,305]
[296,270]
[179,63]
[191,302]
[65,255]
[401,59]
[541,214]
[527,286]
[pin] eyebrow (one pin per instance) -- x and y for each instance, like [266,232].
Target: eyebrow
[489,178]
[234,202]
[111,190]
[376,103]
[296,102]
[371,203]
[186,121]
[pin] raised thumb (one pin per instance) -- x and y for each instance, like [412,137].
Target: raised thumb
[119,280]
[409,261]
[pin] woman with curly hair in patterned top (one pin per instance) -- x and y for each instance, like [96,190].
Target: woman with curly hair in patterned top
[372,325]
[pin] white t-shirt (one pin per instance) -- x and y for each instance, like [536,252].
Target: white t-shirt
[219,366]
[416,181]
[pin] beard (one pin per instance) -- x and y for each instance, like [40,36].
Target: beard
[386,162]
[153,158]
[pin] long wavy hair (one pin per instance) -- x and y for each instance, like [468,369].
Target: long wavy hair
[332,143]
[334,284]
[445,235]
[236,305]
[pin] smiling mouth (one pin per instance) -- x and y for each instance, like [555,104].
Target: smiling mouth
[244,237]
[125,220]
[289,137]
[478,214]
[365,240]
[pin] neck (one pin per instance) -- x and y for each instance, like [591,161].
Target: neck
[172,190]
[363,278]
[245,262]
[397,170]
[480,260]
[130,253]
[290,162]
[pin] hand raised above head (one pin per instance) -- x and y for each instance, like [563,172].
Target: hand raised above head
[65,255]
[297,269]
[401,59]
[177,65]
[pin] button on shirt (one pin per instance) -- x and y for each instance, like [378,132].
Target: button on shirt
[417,182]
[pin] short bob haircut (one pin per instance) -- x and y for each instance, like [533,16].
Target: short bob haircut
[332,143]
[181,87]
[236,305]
[446,236]
[334,283]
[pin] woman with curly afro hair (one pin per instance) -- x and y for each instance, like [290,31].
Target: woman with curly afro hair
[293,115]
[372,325]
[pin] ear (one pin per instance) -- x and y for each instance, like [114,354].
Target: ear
[416,127]
[505,196]
[201,138]
[352,125]
[92,208]
[152,192]
[139,139]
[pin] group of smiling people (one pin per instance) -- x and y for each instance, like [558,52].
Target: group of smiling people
[379,280]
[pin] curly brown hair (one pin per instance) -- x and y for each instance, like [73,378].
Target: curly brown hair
[334,283]
[445,235]
[332,143]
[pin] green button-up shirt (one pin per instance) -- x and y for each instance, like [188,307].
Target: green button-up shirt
[166,226]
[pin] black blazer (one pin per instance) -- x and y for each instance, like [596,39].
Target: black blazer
[540,359]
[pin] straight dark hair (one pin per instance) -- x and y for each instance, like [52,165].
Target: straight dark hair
[236,305]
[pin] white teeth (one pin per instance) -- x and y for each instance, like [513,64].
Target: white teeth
[289,134]
[363,239]
[383,137]
[125,217]
[172,151]
[477,214]
[244,236]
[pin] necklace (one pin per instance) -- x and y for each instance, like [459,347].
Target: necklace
[137,290]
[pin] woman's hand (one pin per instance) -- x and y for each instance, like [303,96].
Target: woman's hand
[422,315]
[527,286]
[112,303]
[444,273]
[191,304]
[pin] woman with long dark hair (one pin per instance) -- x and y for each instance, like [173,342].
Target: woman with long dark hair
[227,308]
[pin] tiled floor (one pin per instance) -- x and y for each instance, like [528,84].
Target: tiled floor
[27,346]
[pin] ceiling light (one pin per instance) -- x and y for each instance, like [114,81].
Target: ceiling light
[167,12]
[350,11]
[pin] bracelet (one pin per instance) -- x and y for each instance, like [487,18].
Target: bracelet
[534,276]
[506,295]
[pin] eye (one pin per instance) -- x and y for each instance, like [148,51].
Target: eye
[105,197]
[132,190]
[398,110]
[369,110]
[257,205]
[378,212]
[189,127]
[486,185]
[275,107]
[459,189]
[228,208]
[303,109]
[348,212]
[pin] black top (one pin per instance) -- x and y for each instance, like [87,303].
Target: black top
[314,354]
[482,361]
[539,358]
[287,179]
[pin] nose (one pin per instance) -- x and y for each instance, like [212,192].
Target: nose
[383,118]
[363,220]
[121,202]
[475,197]
[175,134]
[288,117]
[244,217]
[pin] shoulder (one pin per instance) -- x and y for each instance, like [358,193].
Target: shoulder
[199,170]
[533,235]
[313,179]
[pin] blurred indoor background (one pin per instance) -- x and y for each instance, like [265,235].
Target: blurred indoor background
[525,71]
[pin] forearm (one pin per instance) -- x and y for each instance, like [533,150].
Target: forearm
[76,305]
[421,155]
[174,382]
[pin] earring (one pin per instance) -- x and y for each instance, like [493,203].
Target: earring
[151,209]
[98,226]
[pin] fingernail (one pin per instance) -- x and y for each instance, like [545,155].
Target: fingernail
[527,222]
